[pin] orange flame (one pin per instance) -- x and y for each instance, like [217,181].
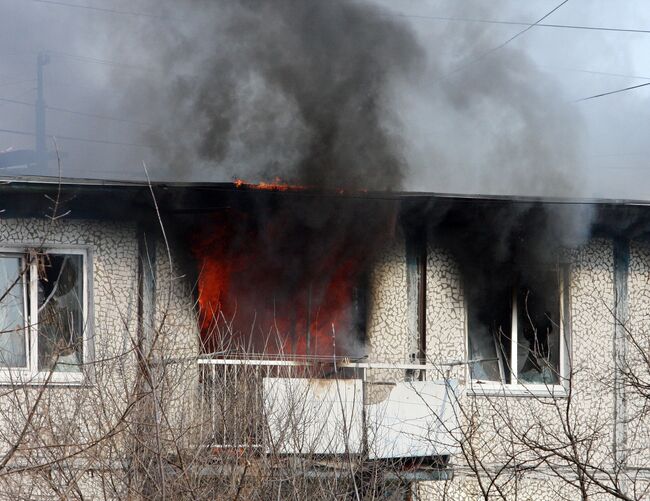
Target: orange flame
[276,185]
[252,299]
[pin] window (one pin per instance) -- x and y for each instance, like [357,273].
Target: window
[516,330]
[43,312]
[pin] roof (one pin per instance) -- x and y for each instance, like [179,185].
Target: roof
[183,206]
[28,183]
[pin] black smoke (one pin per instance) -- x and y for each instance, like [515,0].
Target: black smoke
[295,89]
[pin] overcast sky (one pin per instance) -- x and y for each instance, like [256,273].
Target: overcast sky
[480,116]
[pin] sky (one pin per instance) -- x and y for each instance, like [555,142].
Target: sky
[475,116]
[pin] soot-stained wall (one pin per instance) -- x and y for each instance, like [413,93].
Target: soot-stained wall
[494,417]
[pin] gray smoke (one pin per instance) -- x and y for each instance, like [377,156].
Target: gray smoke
[485,119]
[337,93]
[352,94]
[294,89]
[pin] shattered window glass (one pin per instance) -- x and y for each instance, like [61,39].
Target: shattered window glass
[534,296]
[489,335]
[60,313]
[538,328]
[13,349]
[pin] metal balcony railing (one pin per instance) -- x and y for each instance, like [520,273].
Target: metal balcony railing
[326,406]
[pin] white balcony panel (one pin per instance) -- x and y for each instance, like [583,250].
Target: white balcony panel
[415,419]
[313,416]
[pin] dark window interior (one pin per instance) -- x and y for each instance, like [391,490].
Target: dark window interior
[490,320]
[538,327]
[534,294]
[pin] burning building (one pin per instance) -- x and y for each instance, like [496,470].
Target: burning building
[383,344]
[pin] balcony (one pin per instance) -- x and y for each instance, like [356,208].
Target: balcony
[326,408]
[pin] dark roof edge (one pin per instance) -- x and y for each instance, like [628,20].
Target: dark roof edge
[395,195]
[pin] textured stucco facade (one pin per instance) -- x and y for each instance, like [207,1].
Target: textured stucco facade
[89,414]
[601,409]
[589,318]
[492,417]
[388,326]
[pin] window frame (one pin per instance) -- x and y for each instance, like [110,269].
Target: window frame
[521,388]
[31,374]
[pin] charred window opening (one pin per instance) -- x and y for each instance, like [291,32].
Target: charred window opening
[515,328]
[42,311]
[288,274]
[509,257]
[489,327]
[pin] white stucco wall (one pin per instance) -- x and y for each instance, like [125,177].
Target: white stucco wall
[81,427]
[90,411]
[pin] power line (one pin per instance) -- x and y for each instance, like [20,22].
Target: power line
[18,132]
[500,46]
[593,72]
[411,16]
[15,101]
[72,138]
[93,115]
[521,23]
[99,141]
[85,59]
[21,53]
[75,112]
[21,94]
[613,92]
[516,35]
[17,82]
[101,9]
[89,59]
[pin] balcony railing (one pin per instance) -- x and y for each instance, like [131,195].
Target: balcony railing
[326,406]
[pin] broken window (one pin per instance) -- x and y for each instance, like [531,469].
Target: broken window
[42,311]
[13,334]
[515,329]
[60,313]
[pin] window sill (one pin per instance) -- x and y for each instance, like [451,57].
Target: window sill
[489,389]
[26,378]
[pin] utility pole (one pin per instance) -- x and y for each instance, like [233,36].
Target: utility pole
[41,139]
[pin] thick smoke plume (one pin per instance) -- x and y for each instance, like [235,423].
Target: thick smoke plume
[325,93]
[348,93]
[298,90]
[185,70]
[308,91]
[295,89]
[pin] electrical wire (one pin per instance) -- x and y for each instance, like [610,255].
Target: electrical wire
[491,51]
[392,14]
[100,141]
[17,132]
[396,14]
[593,72]
[96,60]
[17,82]
[74,112]
[93,115]
[521,23]
[73,138]
[101,9]
[85,59]
[612,92]
[15,101]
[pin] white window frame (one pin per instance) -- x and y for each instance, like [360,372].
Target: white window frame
[31,374]
[523,389]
